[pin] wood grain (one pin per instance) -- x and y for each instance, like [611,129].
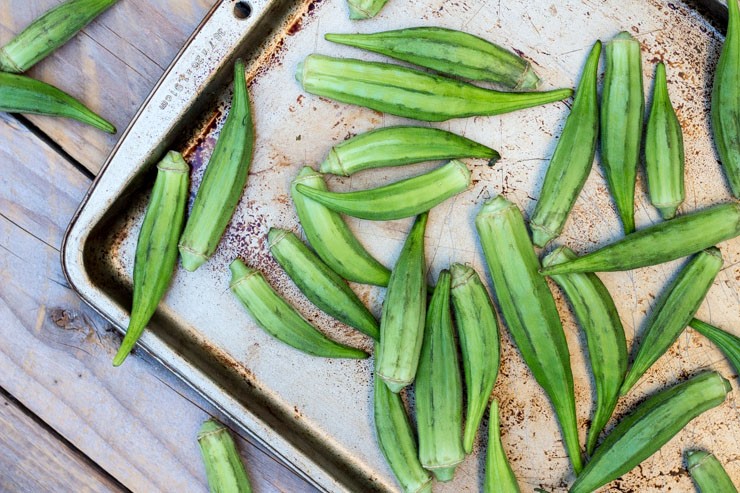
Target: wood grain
[138,422]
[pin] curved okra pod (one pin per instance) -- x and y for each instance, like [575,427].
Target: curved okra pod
[330,236]
[572,160]
[21,94]
[477,328]
[156,249]
[224,468]
[321,285]
[448,51]
[223,182]
[397,146]
[49,32]
[669,240]
[529,310]
[279,319]
[499,476]
[364,9]
[410,93]
[396,440]
[622,108]
[728,343]
[438,389]
[708,473]
[673,312]
[726,101]
[649,427]
[404,313]
[607,347]
[404,198]
[664,154]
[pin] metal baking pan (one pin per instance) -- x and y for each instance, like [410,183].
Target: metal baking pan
[314,413]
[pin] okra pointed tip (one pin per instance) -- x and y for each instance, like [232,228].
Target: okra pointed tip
[121,355]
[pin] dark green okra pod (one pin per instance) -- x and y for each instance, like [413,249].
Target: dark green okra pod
[364,9]
[529,311]
[410,93]
[673,312]
[607,347]
[649,427]
[224,468]
[448,51]
[499,476]
[728,343]
[156,250]
[572,160]
[664,154]
[622,108]
[708,473]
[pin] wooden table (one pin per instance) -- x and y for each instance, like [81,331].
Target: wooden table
[69,421]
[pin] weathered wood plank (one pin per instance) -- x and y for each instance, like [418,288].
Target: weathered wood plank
[111,66]
[138,422]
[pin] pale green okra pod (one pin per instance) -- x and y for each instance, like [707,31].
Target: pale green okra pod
[728,343]
[364,9]
[708,473]
[224,468]
[499,475]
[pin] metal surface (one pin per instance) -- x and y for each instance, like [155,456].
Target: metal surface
[316,413]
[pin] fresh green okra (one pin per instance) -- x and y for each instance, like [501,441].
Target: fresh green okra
[396,439]
[664,153]
[404,313]
[726,101]
[669,240]
[499,475]
[223,182]
[224,468]
[622,108]
[156,249]
[649,427]
[607,347]
[364,9]
[404,198]
[397,146]
[331,238]
[673,312]
[21,94]
[448,51]
[728,343]
[321,285]
[529,310]
[477,328]
[438,389]
[571,162]
[708,473]
[410,93]
[49,32]
[279,319]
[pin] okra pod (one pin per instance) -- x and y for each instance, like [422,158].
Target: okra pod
[410,93]
[622,108]
[397,146]
[438,389]
[663,242]
[708,473]
[649,427]
[364,9]
[448,51]
[728,343]
[49,32]
[404,198]
[331,238]
[726,101]
[224,468]
[664,153]
[223,182]
[499,475]
[477,328]
[529,310]
[321,285]
[21,94]
[396,440]
[404,313]
[279,319]
[607,347]
[156,249]
[572,160]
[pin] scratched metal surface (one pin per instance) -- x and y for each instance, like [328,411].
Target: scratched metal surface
[317,413]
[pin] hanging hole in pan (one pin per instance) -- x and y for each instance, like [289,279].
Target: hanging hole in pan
[242,10]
